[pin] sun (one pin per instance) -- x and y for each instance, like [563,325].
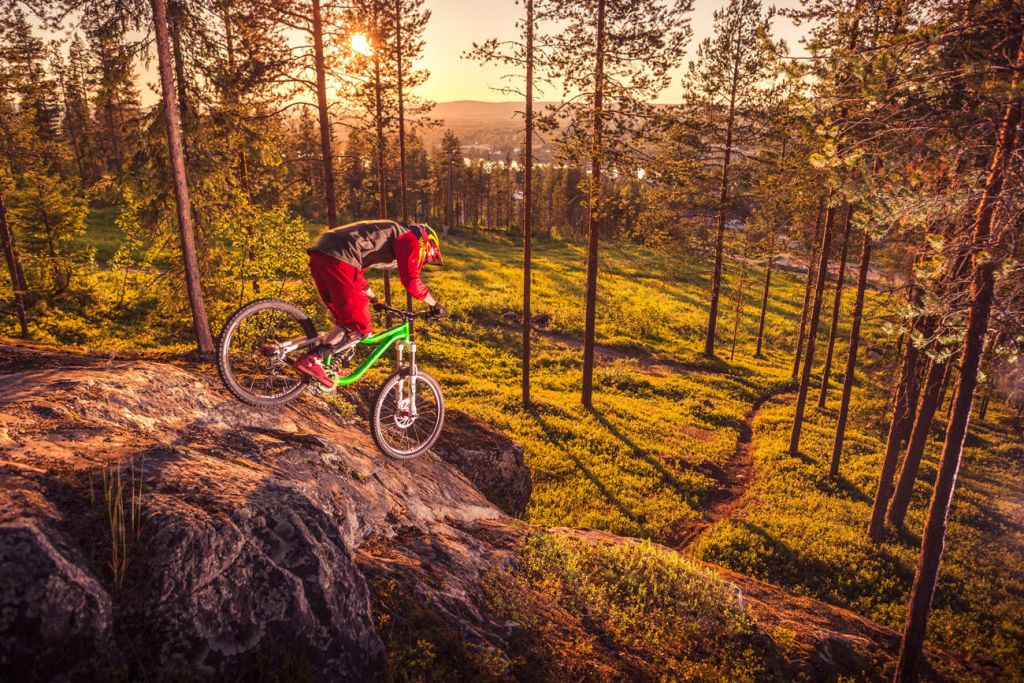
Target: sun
[361,44]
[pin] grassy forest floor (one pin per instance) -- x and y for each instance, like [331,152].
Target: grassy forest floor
[670,431]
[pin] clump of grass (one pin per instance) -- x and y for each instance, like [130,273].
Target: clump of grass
[122,498]
[657,615]
[340,403]
[423,646]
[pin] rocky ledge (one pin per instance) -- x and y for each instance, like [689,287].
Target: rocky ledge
[149,523]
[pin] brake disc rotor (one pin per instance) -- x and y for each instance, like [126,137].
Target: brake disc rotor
[403,416]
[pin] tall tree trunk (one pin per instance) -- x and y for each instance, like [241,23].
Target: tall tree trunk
[116,162]
[982,292]
[812,263]
[174,21]
[897,510]
[527,203]
[741,294]
[986,360]
[13,266]
[324,116]
[812,333]
[71,126]
[767,286]
[229,40]
[945,385]
[200,324]
[401,110]
[449,200]
[378,105]
[764,305]
[903,404]
[837,303]
[723,199]
[851,358]
[242,164]
[401,125]
[593,226]
[985,399]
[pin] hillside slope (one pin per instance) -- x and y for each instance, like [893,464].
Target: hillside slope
[280,543]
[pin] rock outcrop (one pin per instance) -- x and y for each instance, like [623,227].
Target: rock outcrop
[248,523]
[490,460]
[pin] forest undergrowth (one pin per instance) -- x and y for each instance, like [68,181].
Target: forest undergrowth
[648,459]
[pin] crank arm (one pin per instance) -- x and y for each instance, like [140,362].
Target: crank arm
[296,344]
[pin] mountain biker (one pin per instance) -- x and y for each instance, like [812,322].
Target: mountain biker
[338,262]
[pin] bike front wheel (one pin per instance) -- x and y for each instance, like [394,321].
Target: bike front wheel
[253,356]
[407,421]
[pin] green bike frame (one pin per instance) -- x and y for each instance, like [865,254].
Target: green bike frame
[401,334]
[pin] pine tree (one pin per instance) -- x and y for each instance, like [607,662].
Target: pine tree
[50,221]
[982,290]
[450,155]
[729,86]
[629,48]
[13,261]
[826,370]
[521,54]
[77,120]
[200,324]
[110,77]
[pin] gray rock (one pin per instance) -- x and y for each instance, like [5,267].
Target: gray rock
[225,587]
[243,566]
[491,461]
[55,618]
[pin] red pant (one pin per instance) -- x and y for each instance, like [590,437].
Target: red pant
[343,288]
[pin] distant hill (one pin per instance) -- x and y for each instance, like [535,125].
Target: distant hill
[486,129]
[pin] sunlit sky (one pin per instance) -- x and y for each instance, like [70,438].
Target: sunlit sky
[455,24]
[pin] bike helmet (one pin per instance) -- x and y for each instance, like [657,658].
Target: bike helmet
[430,245]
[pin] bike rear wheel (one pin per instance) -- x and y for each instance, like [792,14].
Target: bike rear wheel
[395,430]
[249,357]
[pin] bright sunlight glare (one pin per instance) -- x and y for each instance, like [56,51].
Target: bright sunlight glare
[361,44]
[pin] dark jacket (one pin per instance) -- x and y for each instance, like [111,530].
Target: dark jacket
[377,244]
[366,244]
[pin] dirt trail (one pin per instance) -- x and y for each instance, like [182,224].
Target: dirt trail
[727,499]
[733,480]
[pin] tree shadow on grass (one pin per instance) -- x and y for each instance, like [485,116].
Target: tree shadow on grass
[827,411]
[668,477]
[553,438]
[841,486]
[802,457]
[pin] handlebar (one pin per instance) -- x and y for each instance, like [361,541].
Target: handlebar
[402,314]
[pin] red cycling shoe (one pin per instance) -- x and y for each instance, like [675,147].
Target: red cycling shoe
[312,365]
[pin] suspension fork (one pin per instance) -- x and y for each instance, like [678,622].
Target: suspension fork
[411,371]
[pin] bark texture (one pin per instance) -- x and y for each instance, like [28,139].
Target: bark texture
[851,359]
[982,293]
[903,404]
[593,226]
[324,116]
[897,511]
[527,204]
[812,262]
[172,125]
[13,267]
[826,370]
[812,333]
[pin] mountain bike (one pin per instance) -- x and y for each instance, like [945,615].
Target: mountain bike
[262,339]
